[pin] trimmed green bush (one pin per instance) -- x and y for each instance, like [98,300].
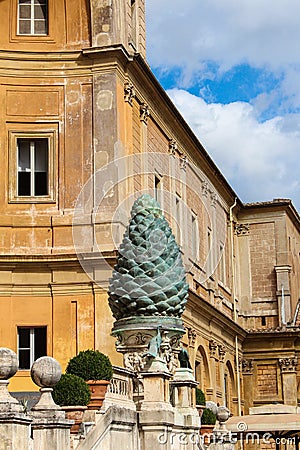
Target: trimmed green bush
[208,417]
[90,365]
[71,390]
[200,397]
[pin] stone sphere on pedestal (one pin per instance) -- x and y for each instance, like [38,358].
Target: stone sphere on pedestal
[9,363]
[46,372]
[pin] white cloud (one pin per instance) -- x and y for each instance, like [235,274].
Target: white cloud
[260,160]
[262,32]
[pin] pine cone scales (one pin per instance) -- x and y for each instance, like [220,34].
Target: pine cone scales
[149,277]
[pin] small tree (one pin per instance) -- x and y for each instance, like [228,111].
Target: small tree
[200,397]
[208,417]
[90,365]
[71,390]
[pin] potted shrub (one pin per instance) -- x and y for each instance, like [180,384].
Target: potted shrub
[72,394]
[200,401]
[208,421]
[96,369]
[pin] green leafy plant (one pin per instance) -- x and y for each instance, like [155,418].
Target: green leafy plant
[200,397]
[71,390]
[208,417]
[90,365]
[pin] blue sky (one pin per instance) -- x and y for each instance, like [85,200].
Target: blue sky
[232,67]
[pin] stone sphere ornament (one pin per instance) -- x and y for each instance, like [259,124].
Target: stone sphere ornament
[46,372]
[9,363]
[149,277]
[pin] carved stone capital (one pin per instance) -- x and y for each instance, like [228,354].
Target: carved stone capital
[242,229]
[222,352]
[144,113]
[247,366]
[205,189]
[288,365]
[173,147]
[213,348]
[213,198]
[183,162]
[192,335]
[129,92]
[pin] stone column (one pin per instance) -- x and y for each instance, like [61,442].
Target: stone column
[14,423]
[51,431]
[288,368]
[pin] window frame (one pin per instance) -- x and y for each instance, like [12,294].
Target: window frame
[16,37]
[14,197]
[31,347]
[32,19]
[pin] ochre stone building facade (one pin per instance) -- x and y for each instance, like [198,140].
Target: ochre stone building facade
[82,117]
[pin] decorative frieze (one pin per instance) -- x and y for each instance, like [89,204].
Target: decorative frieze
[129,92]
[242,229]
[247,366]
[144,113]
[288,365]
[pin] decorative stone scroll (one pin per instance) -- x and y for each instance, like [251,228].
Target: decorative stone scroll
[213,348]
[173,147]
[129,93]
[222,352]
[192,336]
[144,113]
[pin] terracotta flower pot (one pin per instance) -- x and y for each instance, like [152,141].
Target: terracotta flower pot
[206,432]
[75,413]
[98,390]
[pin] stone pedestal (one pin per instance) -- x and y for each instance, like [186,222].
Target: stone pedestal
[134,334]
[50,429]
[156,417]
[14,424]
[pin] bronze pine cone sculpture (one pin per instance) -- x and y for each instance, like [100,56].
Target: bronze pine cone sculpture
[149,277]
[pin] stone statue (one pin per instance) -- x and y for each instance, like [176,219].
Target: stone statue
[149,277]
[154,345]
[184,359]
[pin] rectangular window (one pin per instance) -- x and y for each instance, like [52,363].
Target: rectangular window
[32,344]
[33,17]
[31,166]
